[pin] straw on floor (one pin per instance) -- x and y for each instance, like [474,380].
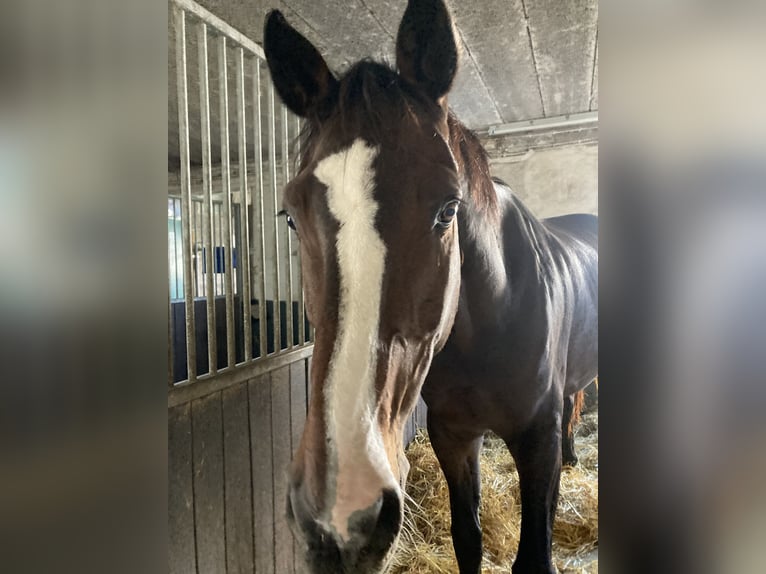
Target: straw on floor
[426,546]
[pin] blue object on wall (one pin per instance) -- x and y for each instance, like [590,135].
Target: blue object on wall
[219,259]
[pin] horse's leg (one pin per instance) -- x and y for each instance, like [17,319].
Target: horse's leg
[458,456]
[572,407]
[537,452]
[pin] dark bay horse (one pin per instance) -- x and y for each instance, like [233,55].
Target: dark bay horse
[422,273]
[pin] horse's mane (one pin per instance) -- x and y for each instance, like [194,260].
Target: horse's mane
[371,95]
[473,165]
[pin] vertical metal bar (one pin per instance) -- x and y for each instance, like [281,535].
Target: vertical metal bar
[207,201]
[172,256]
[244,244]
[288,233]
[219,222]
[236,276]
[259,166]
[171,374]
[193,234]
[218,243]
[179,18]
[274,190]
[301,299]
[172,237]
[223,91]
[179,255]
[196,232]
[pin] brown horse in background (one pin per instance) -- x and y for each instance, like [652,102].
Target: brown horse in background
[423,273]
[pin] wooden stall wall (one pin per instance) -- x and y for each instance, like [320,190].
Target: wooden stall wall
[228,454]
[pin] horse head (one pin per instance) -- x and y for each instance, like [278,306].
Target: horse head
[374,205]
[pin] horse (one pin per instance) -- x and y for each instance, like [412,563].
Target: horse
[422,274]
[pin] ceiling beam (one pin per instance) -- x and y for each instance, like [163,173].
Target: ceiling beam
[542,124]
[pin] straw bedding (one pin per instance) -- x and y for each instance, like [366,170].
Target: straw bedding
[426,546]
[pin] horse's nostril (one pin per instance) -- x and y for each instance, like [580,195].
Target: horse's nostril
[390,517]
[372,535]
[381,519]
[300,514]
[387,525]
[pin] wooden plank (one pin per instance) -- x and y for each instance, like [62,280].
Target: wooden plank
[238,486]
[263,477]
[297,402]
[207,440]
[297,422]
[181,546]
[281,443]
[206,385]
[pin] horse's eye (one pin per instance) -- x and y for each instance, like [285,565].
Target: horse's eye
[289,219]
[447,214]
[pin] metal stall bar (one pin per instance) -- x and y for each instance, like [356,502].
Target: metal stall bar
[179,246]
[196,227]
[179,18]
[172,257]
[301,298]
[274,189]
[207,202]
[223,90]
[244,243]
[224,28]
[258,144]
[289,242]
[217,222]
[171,373]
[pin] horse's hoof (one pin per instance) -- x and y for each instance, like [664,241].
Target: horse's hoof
[571,462]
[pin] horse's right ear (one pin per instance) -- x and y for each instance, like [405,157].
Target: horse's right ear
[300,74]
[426,47]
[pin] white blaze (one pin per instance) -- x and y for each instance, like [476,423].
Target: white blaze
[357,456]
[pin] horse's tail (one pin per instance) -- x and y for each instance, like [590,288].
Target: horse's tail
[579,402]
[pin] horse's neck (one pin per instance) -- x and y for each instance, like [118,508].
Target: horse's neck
[484,273]
[500,256]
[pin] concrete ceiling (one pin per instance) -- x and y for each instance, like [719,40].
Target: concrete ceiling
[521,59]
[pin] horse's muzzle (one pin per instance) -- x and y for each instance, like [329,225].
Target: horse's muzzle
[372,535]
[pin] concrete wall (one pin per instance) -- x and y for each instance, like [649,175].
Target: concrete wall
[553,181]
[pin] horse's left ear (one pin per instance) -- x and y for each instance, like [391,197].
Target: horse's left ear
[300,74]
[426,48]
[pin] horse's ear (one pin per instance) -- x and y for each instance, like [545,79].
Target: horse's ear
[300,74]
[426,47]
